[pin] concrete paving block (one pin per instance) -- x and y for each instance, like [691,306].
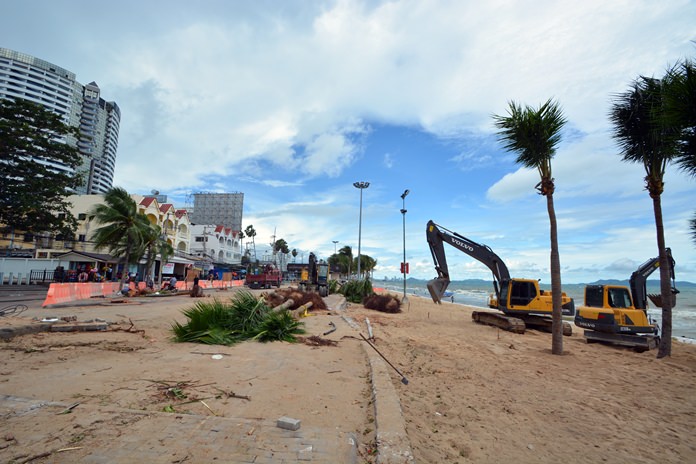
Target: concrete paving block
[288,423]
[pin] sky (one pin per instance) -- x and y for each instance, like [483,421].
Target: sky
[291,102]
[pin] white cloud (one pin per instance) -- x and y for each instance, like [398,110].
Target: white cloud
[280,96]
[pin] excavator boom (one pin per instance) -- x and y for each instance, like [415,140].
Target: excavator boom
[521,300]
[639,279]
[437,236]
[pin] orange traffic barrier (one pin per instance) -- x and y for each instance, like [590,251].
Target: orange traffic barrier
[67,292]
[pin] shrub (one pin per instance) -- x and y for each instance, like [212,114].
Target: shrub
[355,291]
[242,318]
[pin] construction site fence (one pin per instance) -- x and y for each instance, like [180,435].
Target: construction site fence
[68,292]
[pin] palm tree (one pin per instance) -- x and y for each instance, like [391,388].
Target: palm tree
[346,259]
[645,137]
[250,232]
[367,264]
[680,111]
[534,135]
[153,245]
[123,228]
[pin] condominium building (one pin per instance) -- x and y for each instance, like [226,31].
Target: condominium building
[29,78]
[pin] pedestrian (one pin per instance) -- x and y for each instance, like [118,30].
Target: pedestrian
[172,283]
[197,291]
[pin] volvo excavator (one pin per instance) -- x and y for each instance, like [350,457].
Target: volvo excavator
[614,314]
[520,300]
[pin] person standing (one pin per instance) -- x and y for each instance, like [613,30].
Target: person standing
[197,291]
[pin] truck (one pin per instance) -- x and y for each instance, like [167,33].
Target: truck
[618,315]
[521,301]
[266,276]
[315,277]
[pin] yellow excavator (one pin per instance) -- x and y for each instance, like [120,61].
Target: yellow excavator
[521,301]
[614,314]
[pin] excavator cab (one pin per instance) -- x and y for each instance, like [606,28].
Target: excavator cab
[437,288]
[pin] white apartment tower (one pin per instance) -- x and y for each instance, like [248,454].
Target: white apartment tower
[29,78]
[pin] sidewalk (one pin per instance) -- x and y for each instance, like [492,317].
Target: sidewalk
[323,387]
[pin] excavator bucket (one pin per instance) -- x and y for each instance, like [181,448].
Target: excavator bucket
[437,288]
[657,299]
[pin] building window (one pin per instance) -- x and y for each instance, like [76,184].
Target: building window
[81,238]
[28,237]
[200,239]
[82,216]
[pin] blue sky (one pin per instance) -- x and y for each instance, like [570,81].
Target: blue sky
[291,102]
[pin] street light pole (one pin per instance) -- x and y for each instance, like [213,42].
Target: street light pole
[403,213]
[360,186]
[334,242]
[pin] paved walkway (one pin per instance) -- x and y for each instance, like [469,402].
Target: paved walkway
[131,436]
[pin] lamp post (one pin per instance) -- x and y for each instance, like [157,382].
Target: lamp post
[334,242]
[403,213]
[360,186]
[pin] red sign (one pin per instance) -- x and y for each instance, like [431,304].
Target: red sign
[404,268]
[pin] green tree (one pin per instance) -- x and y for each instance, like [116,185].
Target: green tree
[367,264]
[250,232]
[122,227]
[644,136]
[680,111]
[281,246]
[33,192]
[345,256]
[154,244]
[534,135]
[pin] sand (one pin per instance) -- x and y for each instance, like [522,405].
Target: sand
[475,394]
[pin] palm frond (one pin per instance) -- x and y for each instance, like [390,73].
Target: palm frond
[533,134]
[278,326]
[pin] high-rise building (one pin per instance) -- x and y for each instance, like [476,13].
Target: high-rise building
[29,78]
[218,209]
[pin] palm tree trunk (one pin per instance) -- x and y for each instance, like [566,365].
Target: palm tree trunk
[124,273]
[665,348]
[556,315]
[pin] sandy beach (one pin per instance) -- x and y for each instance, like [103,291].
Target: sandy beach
[475,394]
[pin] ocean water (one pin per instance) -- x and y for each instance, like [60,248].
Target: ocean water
[683,314]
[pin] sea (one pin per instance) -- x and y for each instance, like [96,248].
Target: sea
[476,294]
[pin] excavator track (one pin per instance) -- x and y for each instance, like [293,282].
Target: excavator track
[545,324]
[518,324]
[511,324]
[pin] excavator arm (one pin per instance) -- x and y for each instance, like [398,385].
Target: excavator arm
[639,278]
[437,236]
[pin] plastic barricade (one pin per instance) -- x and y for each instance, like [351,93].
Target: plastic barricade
[67,292]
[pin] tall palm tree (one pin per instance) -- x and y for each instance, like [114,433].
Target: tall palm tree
[680,111]
[534,135]
[645,137]
[250,232]
[122,227]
